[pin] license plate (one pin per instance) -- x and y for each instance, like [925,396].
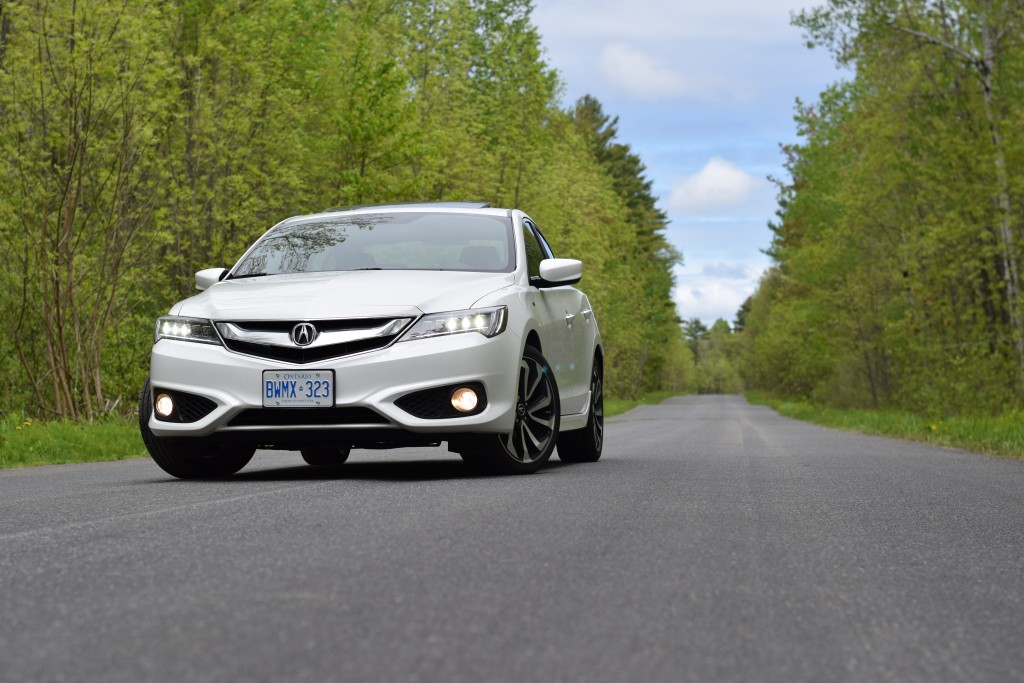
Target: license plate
[298,388]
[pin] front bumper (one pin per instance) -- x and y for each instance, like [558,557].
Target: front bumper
[374,380]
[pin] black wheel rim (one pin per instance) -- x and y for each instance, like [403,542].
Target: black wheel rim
[597,406]
[533,432]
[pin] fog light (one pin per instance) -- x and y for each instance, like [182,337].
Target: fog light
[464,399]
[164,405]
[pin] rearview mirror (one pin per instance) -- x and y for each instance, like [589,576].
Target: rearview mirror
[555,272]
[209,277]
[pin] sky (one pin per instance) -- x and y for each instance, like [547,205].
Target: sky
[705,93]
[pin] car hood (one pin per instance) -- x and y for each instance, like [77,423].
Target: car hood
[342,294]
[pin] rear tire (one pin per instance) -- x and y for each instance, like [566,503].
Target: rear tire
[325,457]
[189,458]
[584,445]
[529,445]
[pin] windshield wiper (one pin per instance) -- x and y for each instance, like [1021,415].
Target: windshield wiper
[239,277]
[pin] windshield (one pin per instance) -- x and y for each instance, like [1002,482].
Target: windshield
[384,241]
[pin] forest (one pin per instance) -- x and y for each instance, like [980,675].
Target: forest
[142,141]
[896,277]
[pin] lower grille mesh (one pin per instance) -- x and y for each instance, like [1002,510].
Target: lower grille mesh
[187,407]
[307,355]
[436,404]
[287,417]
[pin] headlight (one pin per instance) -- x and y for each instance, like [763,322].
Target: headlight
[487,321]
[186,329]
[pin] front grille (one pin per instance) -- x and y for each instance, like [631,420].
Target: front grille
[300,354]
[321,325]
[187,407]
[307,355]
[436,404]
[286,417]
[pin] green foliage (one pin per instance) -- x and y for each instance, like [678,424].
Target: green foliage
[741,315]
[83,102]
[141,142]
[25,442]
[695,332]
[717,375]
[644,305]
[677,370]
[716,357]
[1002,434]
[899,234]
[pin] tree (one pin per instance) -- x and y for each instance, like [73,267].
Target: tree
[741,315]
[81,107]
[896,244]
[695,332]
[653,258]
[974,35]
[141,142]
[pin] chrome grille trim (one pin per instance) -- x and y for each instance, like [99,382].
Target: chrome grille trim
[270,339]
[251,333]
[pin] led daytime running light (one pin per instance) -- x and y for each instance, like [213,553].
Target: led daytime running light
[487,321]
[186,329]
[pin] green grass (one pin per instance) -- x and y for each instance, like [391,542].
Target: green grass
[26,442]
[616,406]
[1001,435]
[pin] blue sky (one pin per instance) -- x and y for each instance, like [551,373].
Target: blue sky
[704,92]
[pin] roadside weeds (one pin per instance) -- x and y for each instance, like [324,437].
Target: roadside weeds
[1000,435]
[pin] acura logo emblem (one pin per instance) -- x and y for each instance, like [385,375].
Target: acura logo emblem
[304,334]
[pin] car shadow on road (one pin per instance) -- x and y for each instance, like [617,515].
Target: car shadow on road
[397,471]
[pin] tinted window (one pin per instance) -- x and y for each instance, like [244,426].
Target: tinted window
[543,242]
[534,251]
[385,241]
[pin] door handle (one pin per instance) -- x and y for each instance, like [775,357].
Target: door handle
[587,312]
[569,317]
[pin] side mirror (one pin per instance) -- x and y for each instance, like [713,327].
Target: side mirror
[555,272]
[209,277]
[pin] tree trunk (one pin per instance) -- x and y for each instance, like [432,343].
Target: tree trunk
[1005,218]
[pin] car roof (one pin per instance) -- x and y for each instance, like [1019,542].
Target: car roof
[478,208]
[412,205]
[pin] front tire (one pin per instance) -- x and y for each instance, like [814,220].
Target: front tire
[538,414]
[189,458]
[584,445]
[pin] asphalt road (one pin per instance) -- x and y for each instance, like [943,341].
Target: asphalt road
[715,541]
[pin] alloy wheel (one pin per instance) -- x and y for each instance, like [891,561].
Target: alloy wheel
[597,405]
[535,426]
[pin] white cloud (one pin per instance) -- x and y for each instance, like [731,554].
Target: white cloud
[719,184]
[726,271]
[711,301]
[639,74]
[715,290]
[692,81]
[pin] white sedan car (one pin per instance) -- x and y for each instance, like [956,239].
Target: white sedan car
[380,327]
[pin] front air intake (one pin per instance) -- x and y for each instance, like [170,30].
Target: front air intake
[436,404]
[293,417]
[187,407]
